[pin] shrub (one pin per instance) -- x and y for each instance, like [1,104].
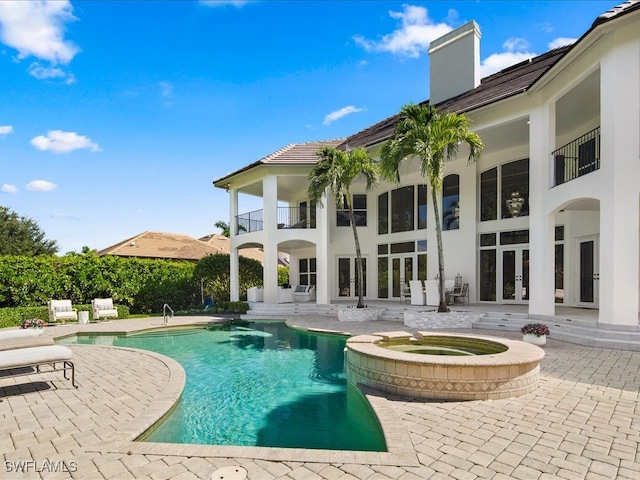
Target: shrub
[214,272]
[11,317]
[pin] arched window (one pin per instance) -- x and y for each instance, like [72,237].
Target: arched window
[451,202]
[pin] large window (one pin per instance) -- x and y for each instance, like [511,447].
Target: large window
[359,212]
[489,195]
[422,206]
[383,213]
[403,209]
[512,198]
[451,202]
[515,189]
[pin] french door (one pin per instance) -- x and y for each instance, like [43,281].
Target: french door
[514,278]
[348,277]
[401,273]
[588,271]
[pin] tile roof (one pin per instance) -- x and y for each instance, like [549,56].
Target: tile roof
[616,11]
[292,154]
[501,85]
[170,246]
[504,84]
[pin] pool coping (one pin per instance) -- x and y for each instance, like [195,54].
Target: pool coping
[400,448]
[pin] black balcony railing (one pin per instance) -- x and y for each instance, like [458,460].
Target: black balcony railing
[296,217]
[577,158]
[249,222]
[288,217]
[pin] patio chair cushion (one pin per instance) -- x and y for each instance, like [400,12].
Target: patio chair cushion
[22,357]
[19,333]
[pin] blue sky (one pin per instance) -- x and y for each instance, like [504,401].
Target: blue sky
[116,116]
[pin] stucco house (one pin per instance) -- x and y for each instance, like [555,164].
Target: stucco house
[548,216]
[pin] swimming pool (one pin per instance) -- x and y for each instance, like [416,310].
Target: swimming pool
[258,384]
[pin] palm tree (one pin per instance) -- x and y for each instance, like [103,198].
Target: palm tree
[224,226]
[434,138]
[336,170]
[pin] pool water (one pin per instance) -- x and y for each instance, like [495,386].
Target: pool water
[259,384]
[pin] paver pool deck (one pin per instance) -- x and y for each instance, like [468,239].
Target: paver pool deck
[583,422]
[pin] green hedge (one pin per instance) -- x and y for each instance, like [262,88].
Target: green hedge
[142,285]
[11,317]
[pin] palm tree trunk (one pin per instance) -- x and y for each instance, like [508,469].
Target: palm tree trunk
[358,257]
[442,306]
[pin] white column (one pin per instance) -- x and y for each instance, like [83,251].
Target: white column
[620,168]
[541,222]
[270,246]
[234,269]
[322,253]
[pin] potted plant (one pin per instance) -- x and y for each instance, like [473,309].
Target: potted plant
[535,333]
[32,323]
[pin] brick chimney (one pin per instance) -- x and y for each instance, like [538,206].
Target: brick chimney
[454,63]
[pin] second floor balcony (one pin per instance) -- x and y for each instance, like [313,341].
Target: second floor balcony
[286,218]
[577,158]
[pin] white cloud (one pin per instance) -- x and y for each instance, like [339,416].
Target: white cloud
[412,37]
[546,27]
[36,28]
[5,130]
[515,44]
[41,186]
[222,3]
[6,188]
[58,141]
[47,73]
[338,114]
[516,50]
[166,89]
[561,42]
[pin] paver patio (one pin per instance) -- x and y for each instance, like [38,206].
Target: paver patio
[582,423]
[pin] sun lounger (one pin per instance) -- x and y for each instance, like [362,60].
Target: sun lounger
[53,358]
[11,343]
[19,333]
[22,349]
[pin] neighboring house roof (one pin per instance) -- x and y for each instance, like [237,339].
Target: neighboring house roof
[176,246]
[506,83]
[173,246]
[292,154]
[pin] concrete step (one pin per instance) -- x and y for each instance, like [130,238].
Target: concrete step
[567,330]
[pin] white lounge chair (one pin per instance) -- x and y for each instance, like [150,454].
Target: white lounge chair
[36,357]
[103,308]
[24,349]
[304,293]
[19,334]
[61,310]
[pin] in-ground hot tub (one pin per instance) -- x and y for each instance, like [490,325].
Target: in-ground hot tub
[439,366]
